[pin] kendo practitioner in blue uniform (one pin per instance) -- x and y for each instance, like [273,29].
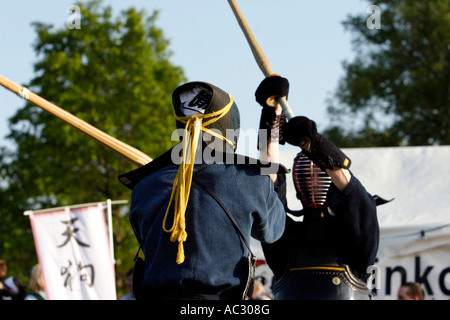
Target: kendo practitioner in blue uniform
[193,215]
[327,246]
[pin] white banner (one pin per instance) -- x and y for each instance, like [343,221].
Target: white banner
[74,254]
[412,254]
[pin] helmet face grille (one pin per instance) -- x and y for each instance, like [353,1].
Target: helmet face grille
[311,182]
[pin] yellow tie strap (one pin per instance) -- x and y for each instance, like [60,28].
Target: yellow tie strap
[183,180]
[340,269]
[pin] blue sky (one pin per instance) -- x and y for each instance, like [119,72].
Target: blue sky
[304,41]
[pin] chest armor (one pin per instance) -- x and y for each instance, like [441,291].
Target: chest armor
[316,271]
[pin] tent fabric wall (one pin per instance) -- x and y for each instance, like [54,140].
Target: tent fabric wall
[417,177]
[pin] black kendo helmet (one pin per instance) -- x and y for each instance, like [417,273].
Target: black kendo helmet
[203,98]
[311,182]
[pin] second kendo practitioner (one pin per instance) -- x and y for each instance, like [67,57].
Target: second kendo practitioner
[327,246]
[194,208]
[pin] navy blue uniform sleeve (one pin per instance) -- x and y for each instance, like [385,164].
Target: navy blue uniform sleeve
[269,224]
[277,253]
[356,210]
[281,189]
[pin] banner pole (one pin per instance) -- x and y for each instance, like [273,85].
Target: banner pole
[110,228]
[74,206]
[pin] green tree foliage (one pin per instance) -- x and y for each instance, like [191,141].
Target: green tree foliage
[398,85]
[113,73]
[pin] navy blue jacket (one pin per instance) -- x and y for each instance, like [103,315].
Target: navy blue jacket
[216,257]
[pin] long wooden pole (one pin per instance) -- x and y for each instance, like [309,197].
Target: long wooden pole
[259,55]
[128,152]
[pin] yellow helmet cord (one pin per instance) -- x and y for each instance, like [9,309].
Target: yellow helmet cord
[183,180]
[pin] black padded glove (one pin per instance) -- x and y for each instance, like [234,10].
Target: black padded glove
[302,132]
[271,124]
[268,90]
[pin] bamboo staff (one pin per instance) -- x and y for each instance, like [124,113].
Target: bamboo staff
[130,153]
[259,55]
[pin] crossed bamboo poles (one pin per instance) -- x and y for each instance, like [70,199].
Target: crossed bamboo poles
[258,54]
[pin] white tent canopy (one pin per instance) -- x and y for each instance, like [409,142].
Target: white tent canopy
[417,177]
[415,227]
